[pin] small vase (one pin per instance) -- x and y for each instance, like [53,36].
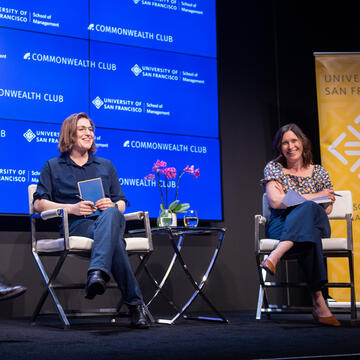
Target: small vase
[173,219]
[166,218]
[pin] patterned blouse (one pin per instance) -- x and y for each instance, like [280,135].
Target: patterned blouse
[318,181]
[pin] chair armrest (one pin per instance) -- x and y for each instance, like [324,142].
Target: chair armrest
[259,220]
[144,216]
[262,219]
[48,214]
[51,214]
[138,215]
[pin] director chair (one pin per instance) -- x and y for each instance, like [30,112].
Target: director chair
[79,246]
[332,247]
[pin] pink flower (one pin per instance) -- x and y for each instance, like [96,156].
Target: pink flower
[170,173]
[158,165]
[189,169]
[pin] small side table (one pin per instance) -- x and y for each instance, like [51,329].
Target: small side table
[176,236]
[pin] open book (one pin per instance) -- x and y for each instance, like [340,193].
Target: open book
[293,198]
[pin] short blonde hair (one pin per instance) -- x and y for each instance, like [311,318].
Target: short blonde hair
[68,133]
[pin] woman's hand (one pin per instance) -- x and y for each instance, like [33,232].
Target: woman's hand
[331,196]
[82,208]
[329,193]
[104,204]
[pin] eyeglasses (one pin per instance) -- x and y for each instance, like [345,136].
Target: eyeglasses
[83,129]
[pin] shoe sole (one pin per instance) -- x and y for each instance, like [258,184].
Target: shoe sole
[326,321]
[97,288]
[13,294]
[267,270]
[140,326]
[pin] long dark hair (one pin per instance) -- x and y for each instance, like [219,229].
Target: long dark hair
[306,155]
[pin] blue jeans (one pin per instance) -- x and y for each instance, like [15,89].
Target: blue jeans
[305,225]
[108,253]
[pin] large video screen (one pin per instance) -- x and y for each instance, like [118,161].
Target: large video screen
[43,78]
[59,17]
[145,72]
[140,90]
[180,26]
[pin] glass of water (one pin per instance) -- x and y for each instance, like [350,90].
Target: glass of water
[191,218]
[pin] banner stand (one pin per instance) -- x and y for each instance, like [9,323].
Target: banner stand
[338,97]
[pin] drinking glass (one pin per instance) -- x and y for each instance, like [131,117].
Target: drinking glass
[191,219]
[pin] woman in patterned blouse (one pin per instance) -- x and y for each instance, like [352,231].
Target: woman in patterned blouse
[299,228]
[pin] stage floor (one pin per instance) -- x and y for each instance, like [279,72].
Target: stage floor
[285,336]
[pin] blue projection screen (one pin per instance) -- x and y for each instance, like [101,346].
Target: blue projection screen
[145,72]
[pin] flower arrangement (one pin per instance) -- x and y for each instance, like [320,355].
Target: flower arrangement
[159,170]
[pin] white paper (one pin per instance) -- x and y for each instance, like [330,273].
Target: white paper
[292,198]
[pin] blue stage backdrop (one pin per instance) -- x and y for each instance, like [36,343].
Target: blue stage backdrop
[146,73]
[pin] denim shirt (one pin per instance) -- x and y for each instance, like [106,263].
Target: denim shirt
[60,175]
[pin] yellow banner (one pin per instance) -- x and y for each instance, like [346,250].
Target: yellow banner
[338,95]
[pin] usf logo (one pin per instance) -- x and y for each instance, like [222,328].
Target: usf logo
[98,103]
[136,69]
[350,141]
[29,135]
